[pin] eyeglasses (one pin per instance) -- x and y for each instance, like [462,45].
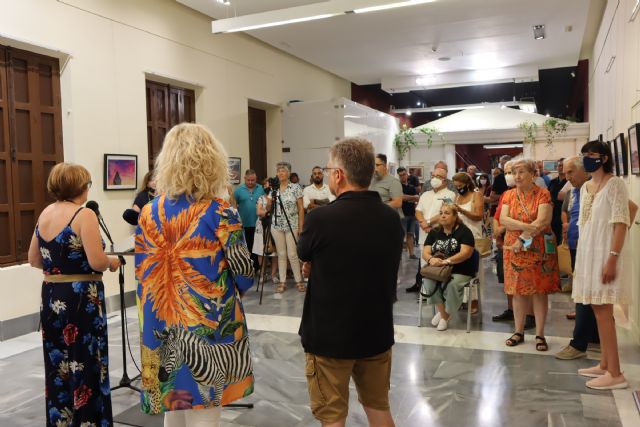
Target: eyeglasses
[89,184]
[325,170]
[379,164]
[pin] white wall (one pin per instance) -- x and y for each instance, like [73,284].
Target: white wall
[113,44]
[614,105]
[310,128]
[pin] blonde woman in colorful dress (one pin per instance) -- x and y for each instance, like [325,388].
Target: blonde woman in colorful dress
[193,266]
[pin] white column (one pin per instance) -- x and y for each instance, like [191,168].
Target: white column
[450,158]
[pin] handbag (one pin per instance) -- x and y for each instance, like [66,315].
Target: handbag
[564,259]
[441,273]
[483,245]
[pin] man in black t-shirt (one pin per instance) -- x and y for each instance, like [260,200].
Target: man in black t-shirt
[409,199]
[499,185]
[555,185]
[351,251]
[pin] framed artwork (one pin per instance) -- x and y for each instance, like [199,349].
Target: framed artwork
[621,155]
[234,169]
[120,172]
[417,171]
[612,146]
[634,148]
[392,168]
[550,165]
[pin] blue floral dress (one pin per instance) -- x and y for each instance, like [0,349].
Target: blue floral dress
[74,337]
[192,265]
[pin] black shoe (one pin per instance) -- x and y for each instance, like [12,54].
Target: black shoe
[530,322]
[414,288]
[505,315]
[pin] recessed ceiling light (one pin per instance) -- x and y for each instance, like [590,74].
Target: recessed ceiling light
[444,58]
[408,113]
[538,32]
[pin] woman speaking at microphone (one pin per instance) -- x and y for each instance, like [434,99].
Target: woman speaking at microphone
[67,246]
[193,266]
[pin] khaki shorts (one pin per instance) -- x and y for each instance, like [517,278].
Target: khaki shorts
[328,382]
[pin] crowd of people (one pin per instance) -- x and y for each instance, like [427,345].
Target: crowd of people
[196,256]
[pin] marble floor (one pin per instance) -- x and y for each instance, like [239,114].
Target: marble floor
[442,379]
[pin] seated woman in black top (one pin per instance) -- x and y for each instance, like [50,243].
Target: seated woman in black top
[147,193]
[453,239]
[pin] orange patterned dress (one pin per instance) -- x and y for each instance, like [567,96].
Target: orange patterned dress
[532,271]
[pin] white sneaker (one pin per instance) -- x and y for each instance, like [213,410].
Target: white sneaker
[442,325]
[436,319]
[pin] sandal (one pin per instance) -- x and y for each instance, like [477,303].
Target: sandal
[281,288]
[541,344]
[515,339]
[301,287]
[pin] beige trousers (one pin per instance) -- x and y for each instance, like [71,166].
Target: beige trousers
[286,247]
[193,417]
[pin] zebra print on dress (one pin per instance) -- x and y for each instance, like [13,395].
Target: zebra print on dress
[239,260]
[211,365]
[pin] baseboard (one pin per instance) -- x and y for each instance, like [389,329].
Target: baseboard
[22,325]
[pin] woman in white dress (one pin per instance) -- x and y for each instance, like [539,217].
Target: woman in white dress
[258,241]
[603,222]
[470,203]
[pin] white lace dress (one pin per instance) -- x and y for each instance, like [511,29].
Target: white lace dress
[474,226]
[598,214]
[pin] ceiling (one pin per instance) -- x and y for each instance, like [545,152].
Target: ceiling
[484,40]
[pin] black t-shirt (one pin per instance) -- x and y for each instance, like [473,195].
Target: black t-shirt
[500,184]
[451,245]
[409,208]
[142,199]
[413,180]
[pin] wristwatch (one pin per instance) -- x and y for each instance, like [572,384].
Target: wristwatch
[614,253]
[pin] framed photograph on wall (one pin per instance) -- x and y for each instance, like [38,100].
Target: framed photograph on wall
[621,155]
[392,168]
[234,170]
[612,146]
[120,172]
[634,148]
[550,165]
[417,171]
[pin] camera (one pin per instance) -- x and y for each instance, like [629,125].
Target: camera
[274,183]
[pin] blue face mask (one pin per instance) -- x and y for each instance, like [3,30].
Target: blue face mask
[591,164]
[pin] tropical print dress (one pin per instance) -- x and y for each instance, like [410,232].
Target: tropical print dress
[533,271]
[74,337]
[192,265]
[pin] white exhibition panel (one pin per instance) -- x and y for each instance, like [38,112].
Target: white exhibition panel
[310,128]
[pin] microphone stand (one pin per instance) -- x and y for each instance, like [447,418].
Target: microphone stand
[125,381]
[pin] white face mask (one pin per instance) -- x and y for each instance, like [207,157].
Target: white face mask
[436,182]
[483,182]
[511,180]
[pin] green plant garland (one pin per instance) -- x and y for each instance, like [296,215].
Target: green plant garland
[406,139]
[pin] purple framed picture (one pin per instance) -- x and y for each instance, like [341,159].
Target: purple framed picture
[120,172]
[634,148]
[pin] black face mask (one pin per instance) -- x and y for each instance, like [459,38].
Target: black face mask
[462,191]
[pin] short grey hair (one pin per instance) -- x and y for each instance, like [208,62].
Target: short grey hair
[508,164]
[528,164]
[356,158]
[283,165]
[505,158]
[576,160]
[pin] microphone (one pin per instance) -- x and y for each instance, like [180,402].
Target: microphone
[93,205]
[131,216]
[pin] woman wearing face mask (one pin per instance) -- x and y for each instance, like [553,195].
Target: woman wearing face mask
[469,202]
[604,218]
[530,256]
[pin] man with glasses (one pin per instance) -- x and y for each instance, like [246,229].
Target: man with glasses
[318,193]
[428,212]
[351,251]
[387,186]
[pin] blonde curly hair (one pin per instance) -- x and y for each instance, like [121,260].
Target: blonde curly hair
[193,163]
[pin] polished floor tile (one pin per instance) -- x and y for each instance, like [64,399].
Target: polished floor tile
[438,379]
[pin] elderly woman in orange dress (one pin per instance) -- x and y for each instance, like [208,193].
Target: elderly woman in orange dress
[530,258]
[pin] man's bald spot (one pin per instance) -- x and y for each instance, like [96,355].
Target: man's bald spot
[441,165]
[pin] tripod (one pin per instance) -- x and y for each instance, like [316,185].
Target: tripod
[273,216]
[125,381]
